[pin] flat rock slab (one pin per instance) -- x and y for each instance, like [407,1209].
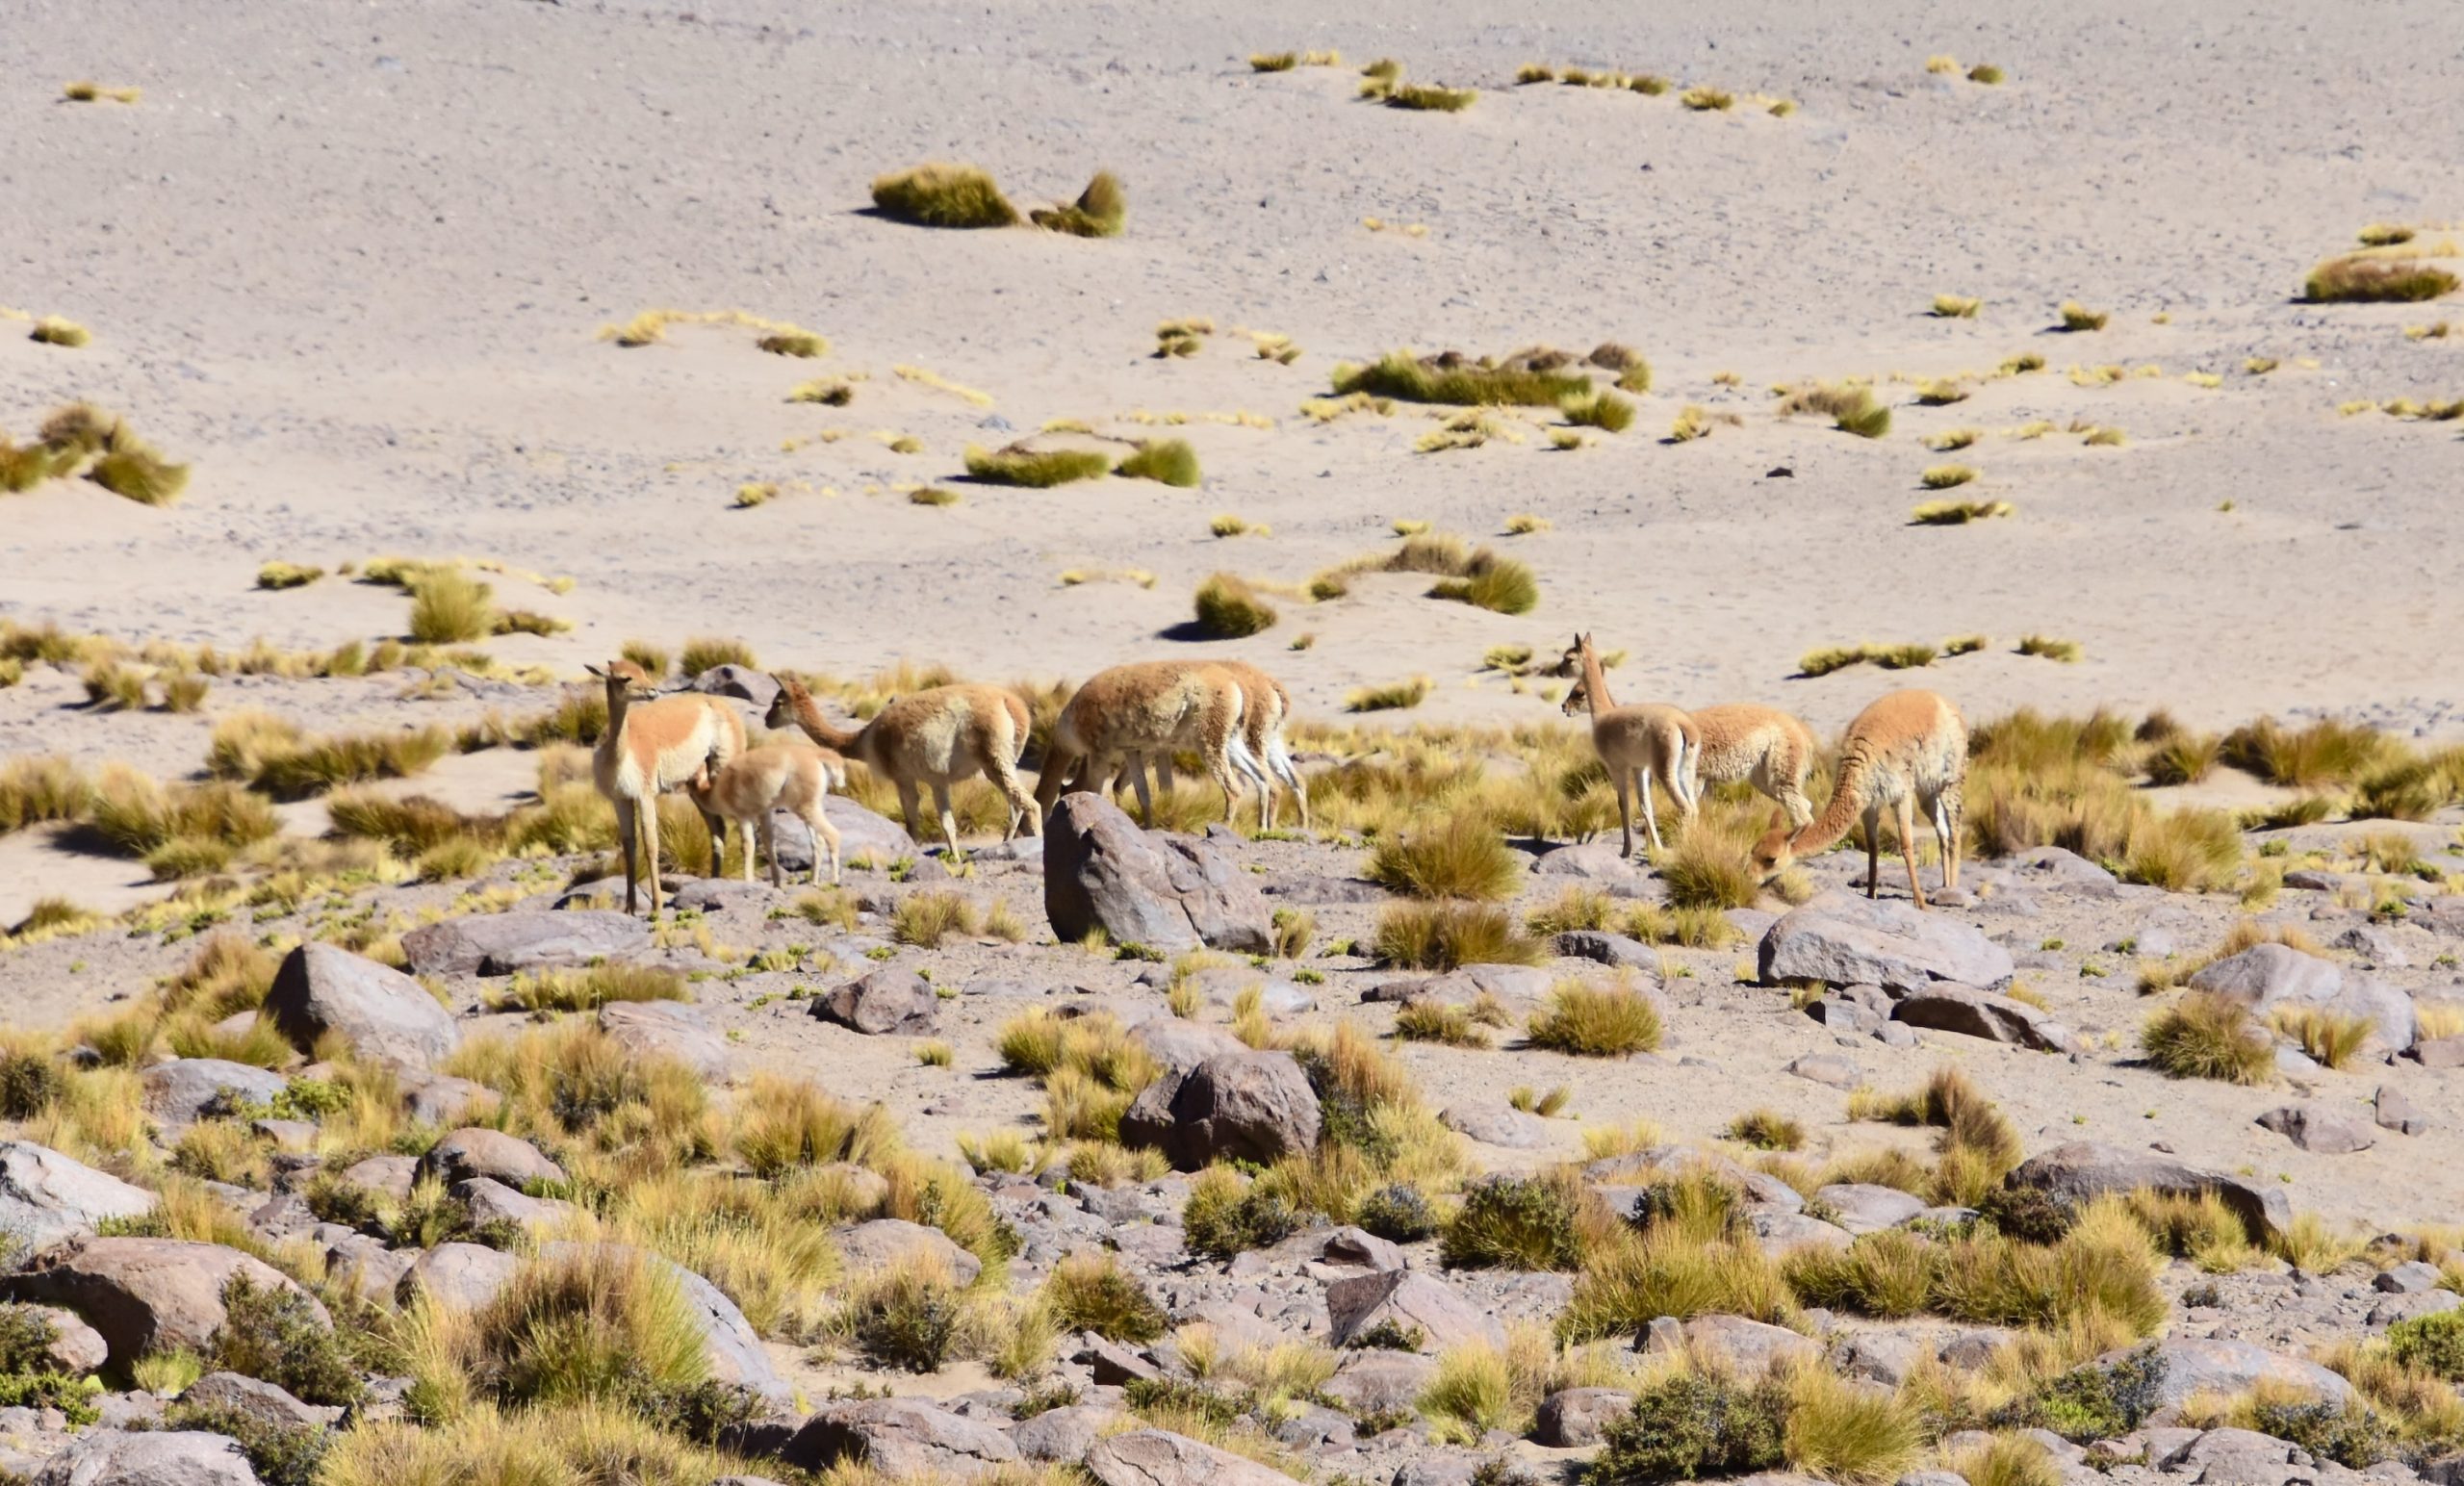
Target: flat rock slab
[183,1088]
[2221,1366]
[1157,1458]
[1495,1124]
[524,940]
[905,1438]
[1411,1302]
[171,1457]
[1843,938]
[46,1198]
[1964,1010]
[669,1029]
[2314,1127]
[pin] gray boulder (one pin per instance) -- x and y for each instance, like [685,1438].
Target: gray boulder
[389,1176]
[75,1349]
[2223,1367]
[478,1151]
[862,833]
[1167,892]
[2394,1111]
[666,1028]
[1181,1046]
[491,1201]
[381,1011]
[254,1399]
[523,939]
[1598,945]
[1256,1106]
[1411,1301]
[1843,938]
[178,1091]
[1495,1124]
[1943,1006]
[1158,1458]
[46,1198]
[1375,1380]
[170,1457]
[442,1099]
[1064,1434]
[890,1000]
[459,1276]
[1744,1348]
[1865,1207]
[888,1240]
[744,683]
[146,1295]
[2314,1127]
[2388,1010]
[2266,976]
[905,1438]
[2087,1168]
[1576,1416]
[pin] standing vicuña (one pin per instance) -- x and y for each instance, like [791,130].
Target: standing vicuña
[654,744]
[1149,709]
[1635,744]
[1265,707]
[1909,750]
[937,736]
[791,777]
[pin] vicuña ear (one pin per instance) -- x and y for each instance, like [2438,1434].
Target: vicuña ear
[594,670]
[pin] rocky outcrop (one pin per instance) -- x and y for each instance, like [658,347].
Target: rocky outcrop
[146,1295]
[381,1011]
[523,939]
[1844,938]
[1165,892]
[1252,1106]
[1158,1458]
[1406,1303]
[666,1028]
[478,1151]
[2087,1168]
[1943,1006]
[904,1438]
[890,1000]
[254,1399]
[170,1457]
[46,1198]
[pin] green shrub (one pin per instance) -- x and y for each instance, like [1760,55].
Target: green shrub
[906,1317]
[938,195]
[1100,211]
[30,1083]
[1228,609]
[1688,1427]
[1035,469]
[1460,856]
[1091,1292]
[2433,1343]
[279,1456]
[1397,1213]
[276,1334]
[2098,1402]
[1227,1215]
[2349,1433]
[1596,1020]
[1514,1222]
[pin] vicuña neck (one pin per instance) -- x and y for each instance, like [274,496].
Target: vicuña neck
[818,728]
[1595,683]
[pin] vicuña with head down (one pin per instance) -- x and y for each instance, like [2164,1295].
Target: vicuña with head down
[1908,751]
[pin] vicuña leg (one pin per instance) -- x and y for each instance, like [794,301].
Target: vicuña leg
[823,834]
[1625,816]
[907,806]
[1908,846]
[650,850]
[1022,805]
[1650,814]
[627,832]
[949,821]
[1873,850]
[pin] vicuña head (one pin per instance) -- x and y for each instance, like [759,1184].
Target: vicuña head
[1776,852]
[625,675]
[783,706]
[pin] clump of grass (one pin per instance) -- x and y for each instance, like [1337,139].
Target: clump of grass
[1501,585]
[1035,469]
[907,1316]
[1273,62]
[801,343]
[932,495]
[1984,74]
[1100,211]
[925,919]
[1946,476]
[1767,1129]
[1958,512]
[1446,936]
[836,393]
[1461,856]
[1165,461]
[2358,280]
[1452,380]
[1227,1214]
[1708,100]
[590,988]
[1228,609]
[94,92]
[1535,72]
[1852,408]
[1603,410]
[2210,1037]
[702,653]
[1940,392]
[2046,647]
[1956,306]
[1435,1021]
[1393,696]
[940,194]
[2076,317]
[1429,97]
[2105,438]
[1091,1291]
[287,575]
[130,467]
[1595,1019]
[1890,658]
[1688,1426]
[1515,1222]
[1952,438]
[2185,851]
[450,607]
[52,330]
[2330,1038]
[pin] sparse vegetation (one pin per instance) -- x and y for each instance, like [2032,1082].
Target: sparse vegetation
[1956,307]
[2077,318]
[1167,461]
[1958,512]
[1597,1019]
[1389,697]
[2355,280]
[1454,379]
[1035,469]
[1946,476]
[1446,936]
[944,195]
[1228,609]
[1100,211]
[2212,1037]
[2046,647]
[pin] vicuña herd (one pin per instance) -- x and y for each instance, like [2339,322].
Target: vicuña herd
[1905,754]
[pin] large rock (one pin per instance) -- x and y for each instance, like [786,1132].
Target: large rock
[1944,1007]
[1742,1346]
[891,999]
[75,1349]
[862,833]
[1375,1380]
[2315,1127]
[1495,1124]
[254,1399]
[1065,1434]
[2266,976]
[742,682]
[442,1099]
[457,1276]
[666,1028]
[888,1240]
[146,1295]
[1410,1301]
[46,1198]
[2223,1367]
[1844,938]
[479,1151]
[1599,945]
[169,1457]
[1180,1044]
[489,1201]
[1576,1417]
[1158,1458]
[904,1438]
[180,1091]
[381,1011]
[524,940]
[1255,1106]
[2087,1168]
[2390,1011]
[1167,892]
[1861,1207]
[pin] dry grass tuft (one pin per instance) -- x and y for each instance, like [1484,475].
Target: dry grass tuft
[1429,97]
[1100,211]
[1986,74]
[1708,100]
[2210,1037]
[1603,410]
[1460,856]
[52,330]
[2046,647]
[1595,1019]
[1391,696]
[1165,461]
[2076,317]
[1956,307]
[802,344]
[1958,512]
[96,92]
[941,194]
[1946,476]
[1452,379]
[1035,469]
[2358,280]
[1444,935]
[1273,62]
[1228,609]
